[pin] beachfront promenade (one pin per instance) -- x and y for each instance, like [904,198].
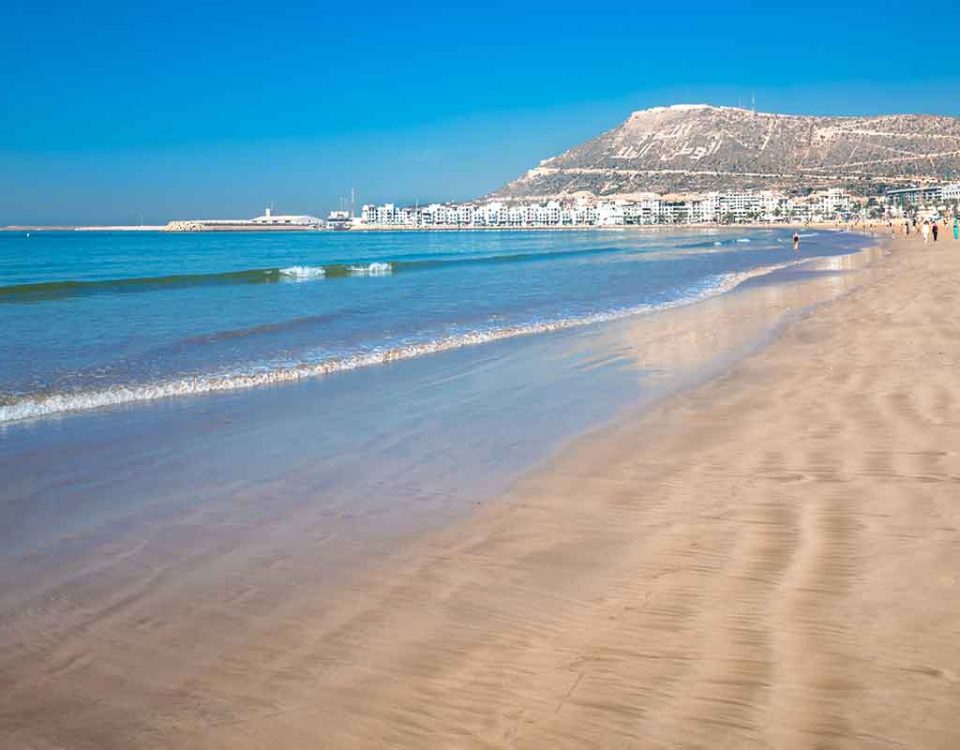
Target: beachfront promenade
[833,206]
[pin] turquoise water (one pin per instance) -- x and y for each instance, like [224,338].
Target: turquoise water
[93,320]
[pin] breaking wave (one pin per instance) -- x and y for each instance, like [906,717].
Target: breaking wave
[372,269]
[53,290]
[15,408]
[304,273]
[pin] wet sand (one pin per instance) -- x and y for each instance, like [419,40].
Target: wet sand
[770,559]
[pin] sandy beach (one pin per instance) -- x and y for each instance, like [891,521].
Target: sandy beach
[378,377]
[771,560]
[768,560]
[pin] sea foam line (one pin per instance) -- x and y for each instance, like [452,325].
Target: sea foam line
[32,407]
[372,269]
[303,273]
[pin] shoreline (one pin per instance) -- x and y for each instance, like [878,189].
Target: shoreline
[768,559]
[542,618]
[269,229]
[31,408]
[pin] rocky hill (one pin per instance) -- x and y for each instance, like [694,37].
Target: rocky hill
[694,147]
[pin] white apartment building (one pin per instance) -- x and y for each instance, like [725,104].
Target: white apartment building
[706,209]
[738,207]
[773,205]
[387,215]
[950,193]
[492,214]
[610,214]
[582,213]
[674,211]
[642,209]
[834,201]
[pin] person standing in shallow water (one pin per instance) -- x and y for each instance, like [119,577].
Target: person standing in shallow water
[796,241]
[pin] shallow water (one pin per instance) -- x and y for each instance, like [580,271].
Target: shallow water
[330,470]
[357,455]
[174,531]
[98,319]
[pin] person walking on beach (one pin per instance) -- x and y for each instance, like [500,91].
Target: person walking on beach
[935,228]
[925,231]
[956,228]
[796,241]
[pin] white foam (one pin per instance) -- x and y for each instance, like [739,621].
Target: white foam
[372,269]
[303,273]
[743,239]
[39,406]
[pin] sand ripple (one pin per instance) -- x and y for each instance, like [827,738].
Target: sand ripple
[770,561]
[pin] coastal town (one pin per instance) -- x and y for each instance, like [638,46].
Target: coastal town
[831,205]
[691,165]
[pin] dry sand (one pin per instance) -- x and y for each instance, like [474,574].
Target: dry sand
[770,560]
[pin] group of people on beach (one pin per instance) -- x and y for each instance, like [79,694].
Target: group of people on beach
[927,229]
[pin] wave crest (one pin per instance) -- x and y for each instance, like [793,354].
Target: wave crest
[31,407]
[41,291]
[303,273]
[372,269]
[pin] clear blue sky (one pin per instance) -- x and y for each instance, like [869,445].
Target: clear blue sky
[115,111]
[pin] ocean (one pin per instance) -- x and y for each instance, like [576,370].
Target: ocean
[317,397]
[207,439]
[99,319]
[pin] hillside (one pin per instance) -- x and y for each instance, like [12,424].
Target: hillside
[701,147]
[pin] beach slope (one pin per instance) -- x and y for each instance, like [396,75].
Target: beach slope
[768,560]
[771,560]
